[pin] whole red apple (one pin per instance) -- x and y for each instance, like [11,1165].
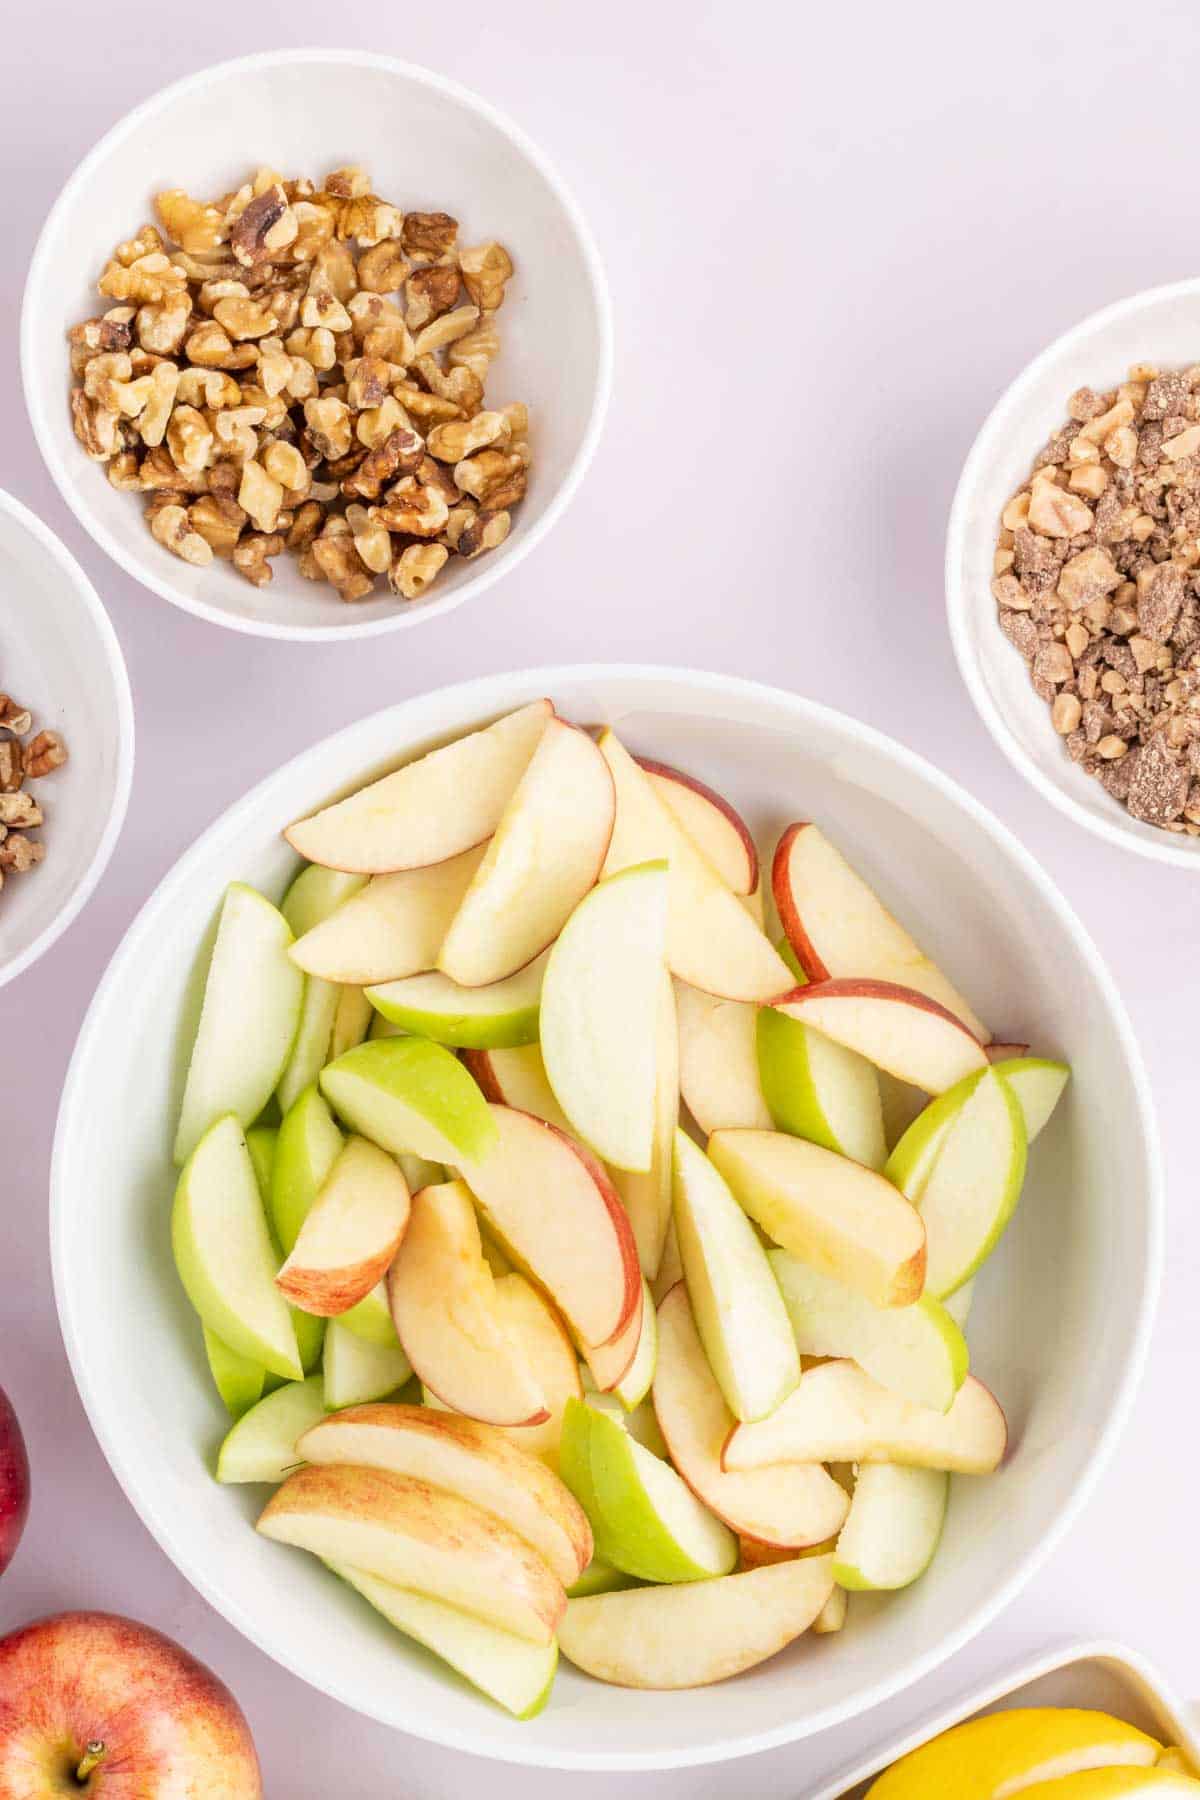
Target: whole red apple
[97,1705]
[14,1482]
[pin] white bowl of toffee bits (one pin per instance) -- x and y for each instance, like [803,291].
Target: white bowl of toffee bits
[1073,573]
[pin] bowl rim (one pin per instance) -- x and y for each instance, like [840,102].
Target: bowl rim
[1115,830]
[519,543]
[486,696]
[118,676]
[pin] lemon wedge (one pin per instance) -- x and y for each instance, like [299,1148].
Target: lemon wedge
[1114,1784]
[1019,1752]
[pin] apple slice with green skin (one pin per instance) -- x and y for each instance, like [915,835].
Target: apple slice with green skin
[515,1674]
[790,1507]
[517,1078]
[640,1422]
[838,928]
[600,1577]
[433,1006]
[444,1308]
[716,828]
[581,1251]
[697,1633]
[901,1106]
[314,894]
[1038,1083]
[817,1089]
[911,1162]
[959,1303]
[224,1253]
[844,1219]
[839,1414]
[918,1351]
[411,1097]
[736,1303]
[712,942]
[718,1062]
[393,928]
[1008,1752]
[262,1445]
[625,1367]
[358,1371]
[306,1148]
[896,1028]
[547,852]
[405,1531]
[475,1461]
[238,1379]
[430,810]
[893,1527]
[263,1144]
[252,999]
[371,1318]
[350,1236]
[351,1021]
[646,1195]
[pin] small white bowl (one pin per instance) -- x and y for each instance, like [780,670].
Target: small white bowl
[1161,326]
[1103,1677]
[59,656]
[427,143]
[1060,1328]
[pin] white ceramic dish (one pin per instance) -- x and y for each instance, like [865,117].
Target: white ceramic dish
[426,142]
[1104,1676]
[1162,326]
[1061,1325]
[59,656]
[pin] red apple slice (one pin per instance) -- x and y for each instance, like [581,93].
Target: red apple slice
[542,1338]
[718,1062]
[350,1234]
[896,1028]
[430,810]
[839,928]
[517,1077]
[788,1506]
[554,1209]
[716,829]
[712,942]
[547,853]
[610,1363]
[391,928]
[443,1302]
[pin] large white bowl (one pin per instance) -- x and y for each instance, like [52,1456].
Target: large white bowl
[427,143]
[1162,326]
[59,656]
[1062,1320]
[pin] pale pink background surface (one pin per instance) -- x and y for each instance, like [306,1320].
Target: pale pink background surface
[833,234]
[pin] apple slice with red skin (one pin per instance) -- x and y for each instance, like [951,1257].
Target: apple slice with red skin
[351,1234]
[443,1302]
[610,1363]
[791,1507]
[839,929]
[390,929]
[517,1077]
[715,827]
[896,1028]
[554,1208]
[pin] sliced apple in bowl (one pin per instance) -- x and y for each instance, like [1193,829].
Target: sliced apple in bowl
[350,1236]
[893,1527]
[715,827]
[898,1029]
[817,1089]
[411,1096]
[392,928]
[505,1013]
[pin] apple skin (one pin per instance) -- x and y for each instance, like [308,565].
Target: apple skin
[14,1482]
[166,1723]
[667,778]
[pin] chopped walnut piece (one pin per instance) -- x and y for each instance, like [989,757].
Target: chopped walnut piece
[173,529]
[19,854]
[447,329]
[413,570]
[400,453]
[218,520]
[264,227]
[251,556]
[383,269]
[486,531]
[43,754]
[454,441]
[485,269]
[429,234]
[260,496]
[430,292]
[341,565]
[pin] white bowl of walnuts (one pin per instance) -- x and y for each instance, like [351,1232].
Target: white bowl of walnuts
[324,395]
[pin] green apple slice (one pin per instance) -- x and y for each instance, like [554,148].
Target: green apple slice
[892,1528]
[262,1445]
[917,1351]
[696,1633]
[640,1423]
[600,1014]
[896,1028]
[239,1379]
[514,1673]
[599,1577]
[1038,1083]
[959,1303]
[392,928]
[224,1253]
[819,1090]
[974,1186]
[252,999]
[654,1526]
[261,1142]
[314,894]
[371,1318]
[736,1303]
[911,1162]
[500,1015]
[358,1371]
[308,1145]
[409,1095]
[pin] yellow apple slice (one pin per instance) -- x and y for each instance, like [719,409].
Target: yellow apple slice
[351,1234]
[697,1632]
[790,1507]
[718,1062]
[838,928]
[1011,1752]
[712,942]
[841,1217]
[896,1028]
[646,1196]
[405,1531]
[839,1414]
[715,827]
[444,1308]
[392,928]
[430,810]
[470,1459]
[547,852]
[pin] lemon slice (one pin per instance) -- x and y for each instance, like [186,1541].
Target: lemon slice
[1008,1753]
